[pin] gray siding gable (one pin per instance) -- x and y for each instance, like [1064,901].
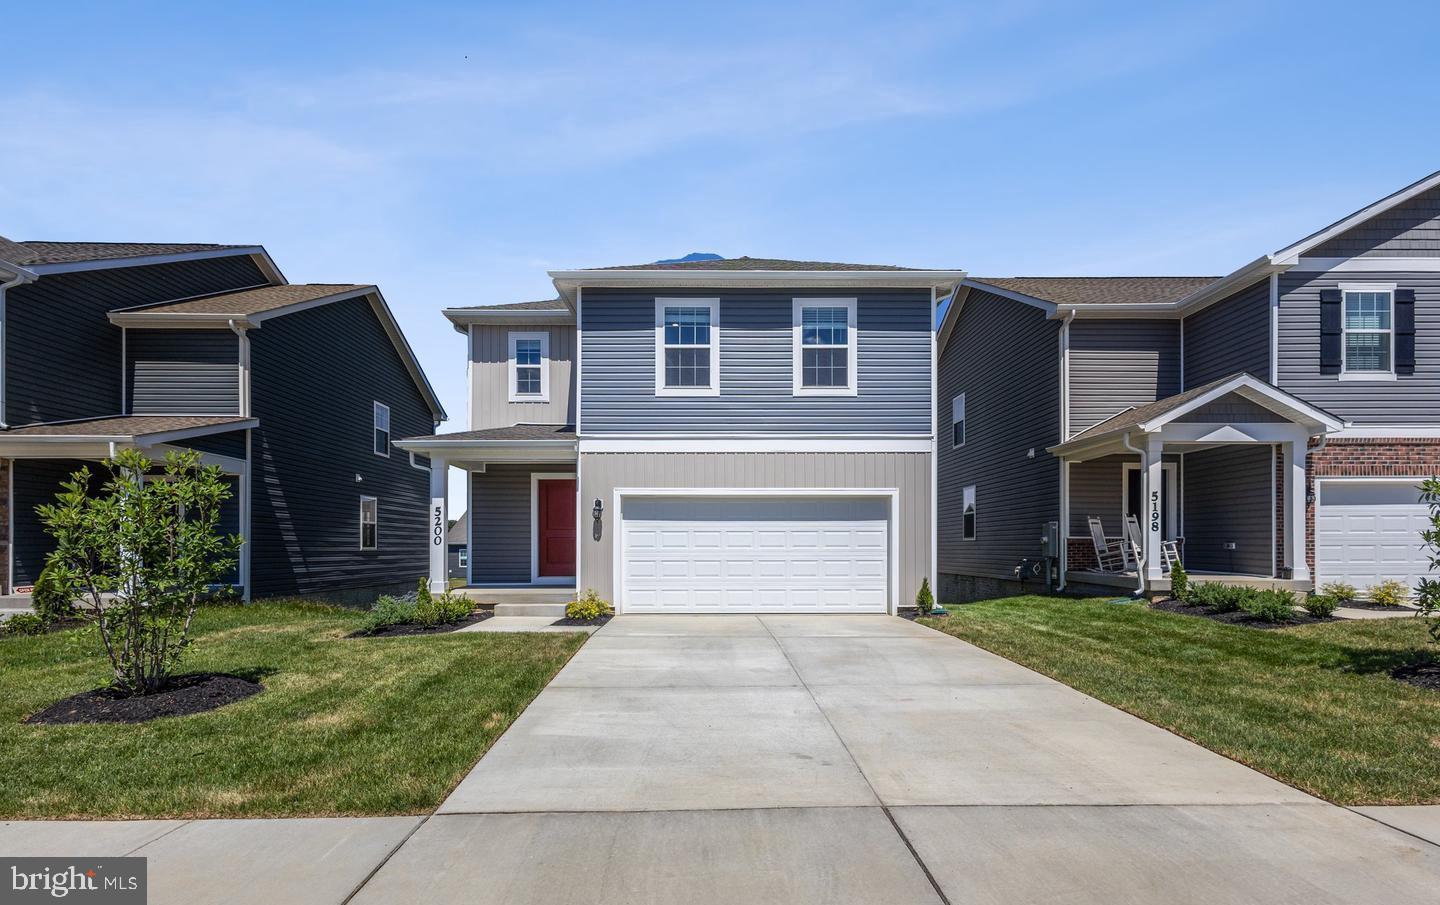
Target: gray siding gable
[1118,364]
[1228,337]
[182,372]
[1409,230]
[618,353]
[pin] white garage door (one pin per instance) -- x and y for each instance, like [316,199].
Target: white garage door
[1368,531]
[754,555]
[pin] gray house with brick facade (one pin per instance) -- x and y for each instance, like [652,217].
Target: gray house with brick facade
[293,390]
[1267,426]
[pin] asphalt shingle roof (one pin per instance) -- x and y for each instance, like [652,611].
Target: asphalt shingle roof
[123,426]
[542,305]
[1143,413]
[748,263]
[1100,290]
[250,301]
[42,252]
[513,432]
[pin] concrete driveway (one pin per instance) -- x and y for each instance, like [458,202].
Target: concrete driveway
[835,759]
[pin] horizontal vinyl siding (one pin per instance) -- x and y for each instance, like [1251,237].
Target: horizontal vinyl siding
[230,443]
[1409,230]
[316,374]
[1118,364]
[500,529]
[1413,399]
[1228,498]
[490,379]
[62,356]
[1229,336]
[601,473]
[183,372]
[36,481]
[756,367]
[1231,408]
[1097,488]
[1004,356]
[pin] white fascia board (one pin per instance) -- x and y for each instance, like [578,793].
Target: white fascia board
[189,432]
[1367,265]
[1260,393]
[1387,432]
[568,281]
[1046,306]
[1290,254]
[143,260]
[758,445]
[462,318]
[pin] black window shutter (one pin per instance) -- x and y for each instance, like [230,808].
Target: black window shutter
[1330,331]
[1404,331]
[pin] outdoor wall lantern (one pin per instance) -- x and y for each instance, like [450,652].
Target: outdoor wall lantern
[598,510]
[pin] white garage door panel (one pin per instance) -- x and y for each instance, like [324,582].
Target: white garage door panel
[703,555]
[1368,531]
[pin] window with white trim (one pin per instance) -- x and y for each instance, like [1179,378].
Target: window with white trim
[967,513]
[824,347]
[957,421]
[687,333]
[382,429]
[463,559]
[369,523]
[530,367]
[1369,331]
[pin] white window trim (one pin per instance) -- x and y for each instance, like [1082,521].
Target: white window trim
[375,426]
[515,337]
[1345,372]
[973,491]
[376,501]
[959,403]
[463,557]
[714,388]
[852,337]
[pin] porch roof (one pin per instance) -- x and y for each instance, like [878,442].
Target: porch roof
[516,443]
[93,437]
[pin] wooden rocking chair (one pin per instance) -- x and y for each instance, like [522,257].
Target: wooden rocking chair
[1169,549]
[1110,556]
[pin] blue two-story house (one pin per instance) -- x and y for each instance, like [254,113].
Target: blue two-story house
[295,391]
[721,436]
[1268,426]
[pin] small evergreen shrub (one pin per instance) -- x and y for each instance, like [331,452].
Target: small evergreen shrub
[1321,606]
[23,624]
[588,607]
[1179,583]
[1341,591]
[924,599]
[51,601]
[1270,605]
[388,611]
[1389,592]
[1220,598]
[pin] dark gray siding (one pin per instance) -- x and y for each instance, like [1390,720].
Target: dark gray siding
[1231,408]
[315,377]
[182,372]
[62,356]
[1097,488]
[500,528]
[1412,399]
[1005,357]
[756,376]
[1229,336]
[36,481]
[1227,493]
[1410,230]
[1118,364]
[230,443]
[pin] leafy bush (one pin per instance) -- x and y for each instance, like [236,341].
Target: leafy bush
[1322,605]
[23,624]
[1179,583]
[1220,598]
[587,607]
[420,607]
[924,599]
[388,611]
[1341,591]
[1389,592]
[1427,593]
[1270,605]
[50,600]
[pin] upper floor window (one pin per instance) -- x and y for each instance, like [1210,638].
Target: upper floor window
[1369,330]
[369,523]
[957,421]
[824,347]
[687,344]
[529,367]
[382,429]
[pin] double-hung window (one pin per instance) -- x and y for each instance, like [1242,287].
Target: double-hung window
[1369,330]
[824,347]
[957,421]
[529,367]
[382,429]
[687,344]
[967,513]
[463,557]
[369,523]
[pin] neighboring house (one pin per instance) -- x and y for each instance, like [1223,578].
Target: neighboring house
[736,435]
[1273,422]
[457,542]
[294,390]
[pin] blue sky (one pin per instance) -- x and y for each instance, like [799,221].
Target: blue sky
[453,152]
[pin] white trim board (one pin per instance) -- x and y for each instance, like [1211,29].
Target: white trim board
[512,339]
[1375,265]
[535,478]
[757,445]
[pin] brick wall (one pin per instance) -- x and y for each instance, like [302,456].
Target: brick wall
[1398,458]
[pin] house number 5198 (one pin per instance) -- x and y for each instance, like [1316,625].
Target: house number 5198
[1155,510]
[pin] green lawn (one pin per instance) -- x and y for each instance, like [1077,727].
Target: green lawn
[1313,705]
[345,726]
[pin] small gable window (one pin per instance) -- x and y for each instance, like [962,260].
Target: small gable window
[529,367]
[957,421]
[967,513]
[382,429]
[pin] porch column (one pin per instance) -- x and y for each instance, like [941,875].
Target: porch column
[439,523]
[1294,453]
[1152,461]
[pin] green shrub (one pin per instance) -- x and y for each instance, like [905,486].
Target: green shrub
[1321,606]
[924,599]
[1389,592]
[442,609]
[1219,598]
[388,611]
[587,607]
[1179,583]
[51,601]
[1341,591]
[1270,605]
[23,624]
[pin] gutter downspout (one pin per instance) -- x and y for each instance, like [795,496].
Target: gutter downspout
[1064,435]
[1139,566]
[17,278]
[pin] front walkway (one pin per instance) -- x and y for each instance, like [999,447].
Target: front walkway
[825,759]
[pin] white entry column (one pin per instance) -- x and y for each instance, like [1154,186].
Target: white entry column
[1151,528]
[439,523]
[1294,453]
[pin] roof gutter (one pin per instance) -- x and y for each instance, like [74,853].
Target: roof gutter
[567,282]
[18,276]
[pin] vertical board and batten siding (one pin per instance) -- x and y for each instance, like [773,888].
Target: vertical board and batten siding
[601,473]
[1228,337]
[1118,364]
[316,375]
[500,528]
[62,354]
[1409,230]
[490,404]
[1005,357]
[756,367]
[1412,399]
[182,372]
[1228,498]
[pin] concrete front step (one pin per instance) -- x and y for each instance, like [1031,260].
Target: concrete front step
[556,610]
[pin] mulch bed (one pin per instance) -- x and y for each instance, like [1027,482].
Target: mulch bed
[1238,617]
[1378,607]
[194,693]
[568,621]
[1421,675]
[396,631]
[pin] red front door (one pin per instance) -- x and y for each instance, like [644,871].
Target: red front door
[556,531]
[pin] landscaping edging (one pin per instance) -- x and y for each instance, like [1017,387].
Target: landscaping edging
[186,694]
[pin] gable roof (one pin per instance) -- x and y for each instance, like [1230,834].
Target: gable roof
[459,533]
[1065,291]
[32,251]
[763,264]
[555,304]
